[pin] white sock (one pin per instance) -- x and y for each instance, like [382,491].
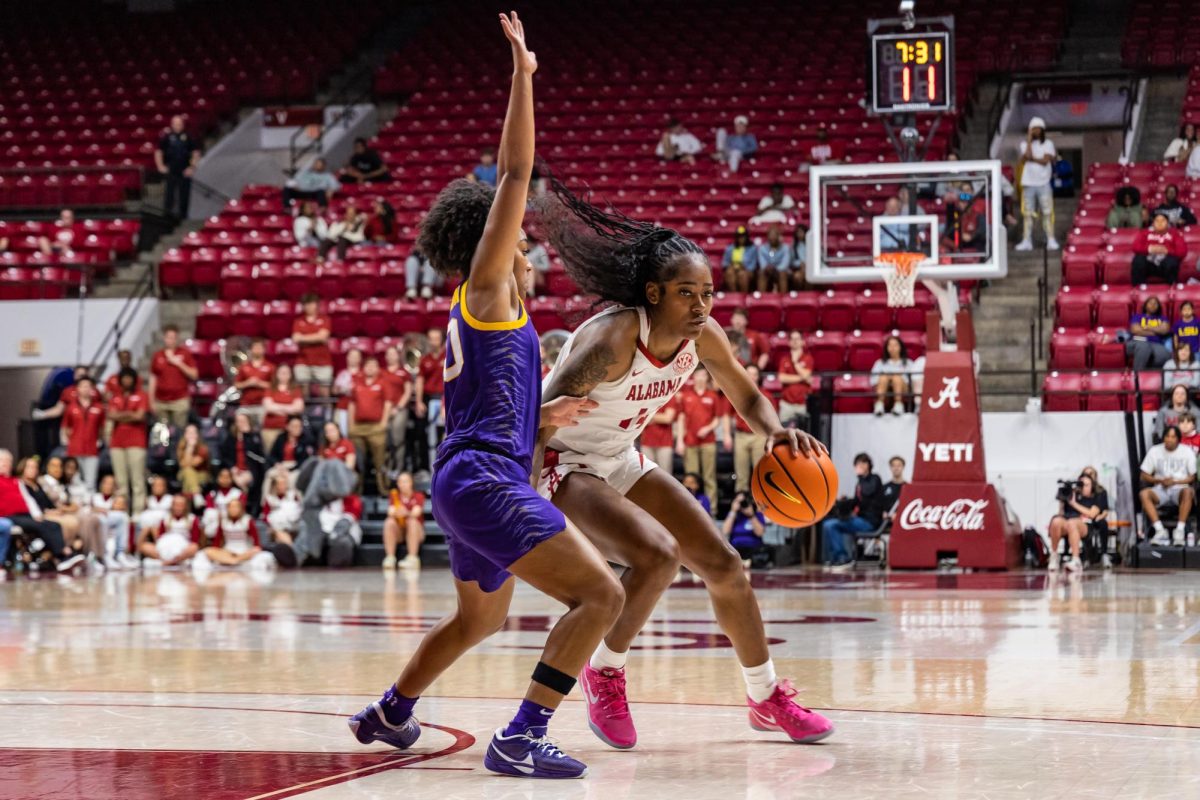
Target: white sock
[760,681]
[1179,529]
[1158,526]
[604,658]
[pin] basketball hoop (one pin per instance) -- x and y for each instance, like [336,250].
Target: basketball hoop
[900,276]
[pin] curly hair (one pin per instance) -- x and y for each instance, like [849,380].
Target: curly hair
[606,253]
[451,231]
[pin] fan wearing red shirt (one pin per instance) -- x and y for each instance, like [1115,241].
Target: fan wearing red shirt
[337,447]
[754,347]
[795,373]
[658,438]
[399,391]
[127,408]
[253,379]
[310,332]
[429,386]
[82,425]
[369,411]
[1158,252]
[406,516]
[748,446]
[172,371]
[702,410]
[281,401]
[112,386]
[825,151]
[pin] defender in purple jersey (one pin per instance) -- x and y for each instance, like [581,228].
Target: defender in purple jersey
[495,522]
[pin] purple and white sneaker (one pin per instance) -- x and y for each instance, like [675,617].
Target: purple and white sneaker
[370,726]
[530,755]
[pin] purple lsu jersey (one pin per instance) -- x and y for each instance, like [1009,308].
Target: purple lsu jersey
[493,391]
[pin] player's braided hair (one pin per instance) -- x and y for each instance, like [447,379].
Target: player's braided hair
[451,231]
[607,253]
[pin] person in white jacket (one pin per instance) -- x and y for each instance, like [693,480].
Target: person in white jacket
[309,227]
[113,510]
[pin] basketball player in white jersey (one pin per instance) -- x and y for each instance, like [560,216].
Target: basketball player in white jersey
[632,359]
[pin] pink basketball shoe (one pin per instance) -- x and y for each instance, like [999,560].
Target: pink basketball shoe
[608,710]
[780,712]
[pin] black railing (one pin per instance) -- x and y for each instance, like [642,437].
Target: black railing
[125,317]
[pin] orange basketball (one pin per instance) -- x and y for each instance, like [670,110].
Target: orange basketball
[794,491]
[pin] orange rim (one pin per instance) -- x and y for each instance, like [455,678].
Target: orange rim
[903,263]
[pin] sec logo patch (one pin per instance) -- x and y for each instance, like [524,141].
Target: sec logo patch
[684,362]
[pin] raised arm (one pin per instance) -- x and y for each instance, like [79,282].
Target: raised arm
[746,398]
[489,292]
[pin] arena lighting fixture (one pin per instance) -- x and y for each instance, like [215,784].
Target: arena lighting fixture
[908,17]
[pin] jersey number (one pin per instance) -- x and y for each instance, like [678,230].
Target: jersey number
[637,421]
[451,371]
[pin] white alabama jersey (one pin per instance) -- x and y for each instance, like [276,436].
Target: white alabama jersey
[626,405]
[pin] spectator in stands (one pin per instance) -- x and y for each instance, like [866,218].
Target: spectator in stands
[310,332]
[1183,368]
[966,221]
[826,151]
[282,508]
[695,486]
[1062,179]
[283,400]
[892,375]
[1188,435]
[312,183]
[1035,166]
[739,261]
[369,413]
[176,158]
[678,144]
[891,489]
[195,463]
[1168,472]
[234,542]
[81,531]
[795,373]
[309,228]
[348,231]
[741,144]
[1148,329]
[1158,252]
[1187,327]
[430,385]
[658,437]
[1176,212]
[1126,211]
[342,385]
[774,262]
[895,237]
[112,386]
[1193,164]
[862,514]
[83,425]
[78,491]
[64,234]
[217,499]
[755,347]
[1181,147]
[799,254]
[1084,507]
[398,389]
[172,370]
[253,379]
[1179,402]
[744,527]
[701,410]
[241,449]
[338,447]
[419,275]
[158,504]
[127,408]
[405,517]
[366,165]
[774,208]
[174,540]
[113,511]
[485,171]
[381,226]
[748,446]
[539,258]
[21,510]
[291,449]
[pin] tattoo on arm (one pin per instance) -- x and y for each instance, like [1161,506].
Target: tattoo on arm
[580,376]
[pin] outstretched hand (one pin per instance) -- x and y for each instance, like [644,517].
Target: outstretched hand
[565,412]
[801,443]
[524,60]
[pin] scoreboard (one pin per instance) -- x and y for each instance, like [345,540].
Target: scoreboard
[911,71]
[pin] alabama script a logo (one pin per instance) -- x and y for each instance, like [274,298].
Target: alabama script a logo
[949,394]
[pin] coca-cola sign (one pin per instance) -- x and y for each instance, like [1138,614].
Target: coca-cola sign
[957,515]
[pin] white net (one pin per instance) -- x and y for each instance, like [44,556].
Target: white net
[900,281]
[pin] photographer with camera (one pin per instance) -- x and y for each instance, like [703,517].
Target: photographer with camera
[853,516]
[1081,506]
[744,528]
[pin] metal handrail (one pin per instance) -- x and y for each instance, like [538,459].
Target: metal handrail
[112,338]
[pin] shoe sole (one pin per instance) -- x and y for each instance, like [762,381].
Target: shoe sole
[816,737]
[600,735]
[373,738]
[507,771]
